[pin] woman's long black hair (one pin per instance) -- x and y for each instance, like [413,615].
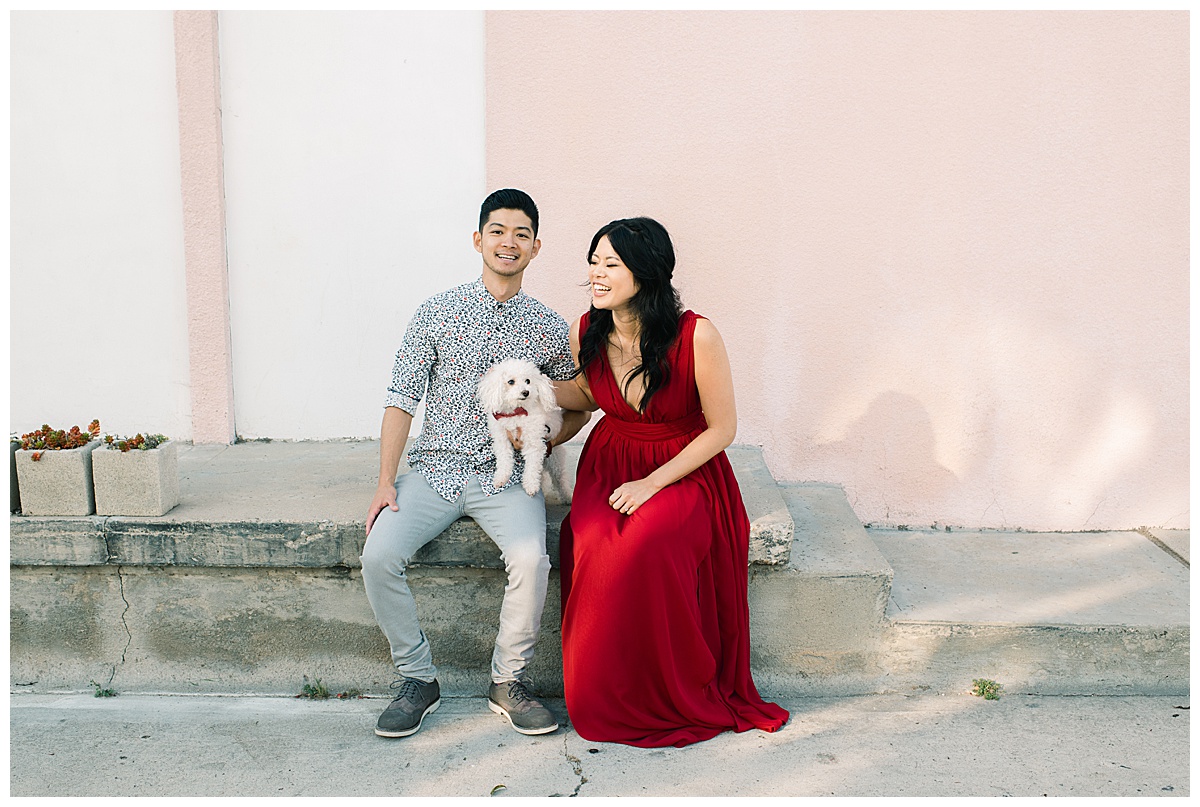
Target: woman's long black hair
[645,248]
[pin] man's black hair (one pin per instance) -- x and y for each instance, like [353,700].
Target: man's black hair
[509,199]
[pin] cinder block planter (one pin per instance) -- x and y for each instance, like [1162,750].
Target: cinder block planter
[58,484]
[136,483]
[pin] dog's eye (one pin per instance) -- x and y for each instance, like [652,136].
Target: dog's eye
[527,381]
[510,382]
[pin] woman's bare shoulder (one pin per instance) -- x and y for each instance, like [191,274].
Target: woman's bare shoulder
[706,336]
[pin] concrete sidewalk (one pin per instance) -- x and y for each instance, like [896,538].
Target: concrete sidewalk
[882,745]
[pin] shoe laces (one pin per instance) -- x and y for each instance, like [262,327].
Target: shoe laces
[408,688]
[519,691]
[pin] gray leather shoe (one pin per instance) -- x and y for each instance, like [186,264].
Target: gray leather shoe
[414,699]
[524,712]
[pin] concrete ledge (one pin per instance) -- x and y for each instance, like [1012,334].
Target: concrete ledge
[1037,659]
[260,630]
[835,543]
[771,527]
[235,512]
[252,583]
[1049,613]
[162,605]
[117,541]
[53,541]
[816,624]
[1052,578]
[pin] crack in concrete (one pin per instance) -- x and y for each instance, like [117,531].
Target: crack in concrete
[103,527]
[577,766]
[1094,509]
[124,624]
[996,502]
[108,557]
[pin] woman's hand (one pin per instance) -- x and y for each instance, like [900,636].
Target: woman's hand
[632,495]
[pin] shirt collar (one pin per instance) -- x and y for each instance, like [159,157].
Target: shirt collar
[486,297]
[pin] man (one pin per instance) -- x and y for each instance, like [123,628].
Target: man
[451,341]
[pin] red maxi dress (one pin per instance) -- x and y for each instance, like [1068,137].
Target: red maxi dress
[656,627]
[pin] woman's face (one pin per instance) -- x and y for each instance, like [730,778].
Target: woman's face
[613,285]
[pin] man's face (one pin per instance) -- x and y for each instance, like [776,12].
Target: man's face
[507,243]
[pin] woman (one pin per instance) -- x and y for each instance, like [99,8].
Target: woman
[654,551]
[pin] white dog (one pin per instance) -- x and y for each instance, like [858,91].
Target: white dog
[515,394]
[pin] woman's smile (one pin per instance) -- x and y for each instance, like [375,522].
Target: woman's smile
[613,285]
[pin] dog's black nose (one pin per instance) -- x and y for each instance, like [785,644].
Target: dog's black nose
[525,393]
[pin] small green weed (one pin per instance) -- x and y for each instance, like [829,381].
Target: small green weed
[103,692]
[987,689]
[316,692]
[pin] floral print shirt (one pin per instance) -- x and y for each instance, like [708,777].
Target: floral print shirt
[452,339]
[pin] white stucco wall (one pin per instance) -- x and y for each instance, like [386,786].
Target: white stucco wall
[354,170]
[98,314]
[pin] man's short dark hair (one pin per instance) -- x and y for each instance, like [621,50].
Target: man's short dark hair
[509,199]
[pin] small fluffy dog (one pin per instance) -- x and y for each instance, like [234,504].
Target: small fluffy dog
[515,394]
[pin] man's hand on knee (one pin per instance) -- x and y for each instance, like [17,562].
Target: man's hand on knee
[385,496]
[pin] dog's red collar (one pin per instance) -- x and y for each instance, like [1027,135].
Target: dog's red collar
[520,410]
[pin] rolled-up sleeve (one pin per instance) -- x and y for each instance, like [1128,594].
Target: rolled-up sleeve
[414,361]
[561,365]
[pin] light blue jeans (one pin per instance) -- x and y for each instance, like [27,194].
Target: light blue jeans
[513,519]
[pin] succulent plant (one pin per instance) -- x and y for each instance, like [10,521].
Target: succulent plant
[48,439]
[139,442]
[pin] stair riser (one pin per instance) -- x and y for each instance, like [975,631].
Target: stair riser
[198,629]
[154,629]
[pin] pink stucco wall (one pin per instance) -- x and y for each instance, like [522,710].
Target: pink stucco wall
[203,192]
[948,251]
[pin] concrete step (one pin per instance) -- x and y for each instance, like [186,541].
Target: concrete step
[879,611]
[281,504]
[252,582]
[816,624]
[1051,613]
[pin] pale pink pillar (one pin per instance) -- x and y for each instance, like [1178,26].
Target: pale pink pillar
[197,81]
